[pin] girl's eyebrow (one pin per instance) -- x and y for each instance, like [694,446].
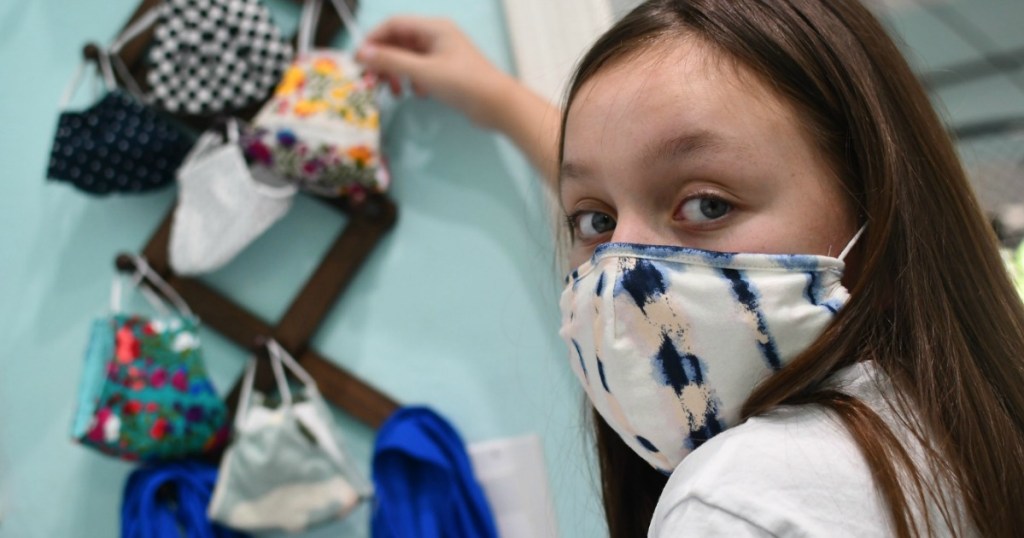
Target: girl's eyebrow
[683,145]
[680,146]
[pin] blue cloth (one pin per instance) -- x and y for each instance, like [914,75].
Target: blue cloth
[425,487]
[169,500]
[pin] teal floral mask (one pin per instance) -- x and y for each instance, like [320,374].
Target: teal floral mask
[145,393]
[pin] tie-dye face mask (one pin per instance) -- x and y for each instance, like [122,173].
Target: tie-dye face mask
[669,342]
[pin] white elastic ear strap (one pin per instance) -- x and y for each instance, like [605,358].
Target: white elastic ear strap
[349,20]
[143,269]
[69,91]
[131,32]
[850,245]
[291,363]
[307,25]
[282,380]
[311,14]
[105,69]
[115,294]
[243,399]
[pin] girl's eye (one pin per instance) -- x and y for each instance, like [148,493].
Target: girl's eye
[704,208]
[590,224]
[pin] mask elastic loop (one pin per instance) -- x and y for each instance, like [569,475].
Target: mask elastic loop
[307,25]
[69,91]
[349,20]
[290,363]
[243,399]
[115,294]
[144,270]
[853,241]
[282,380]
[311,14]
[113,62]
[106,70]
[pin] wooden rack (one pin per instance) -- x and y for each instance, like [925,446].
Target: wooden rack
[368,221]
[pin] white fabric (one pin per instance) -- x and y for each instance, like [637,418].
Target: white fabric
[794,472]
[669,342]
[287,467]
[223,206]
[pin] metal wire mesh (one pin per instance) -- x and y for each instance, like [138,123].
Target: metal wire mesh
[993,155]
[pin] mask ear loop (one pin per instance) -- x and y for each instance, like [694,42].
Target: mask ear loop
[349,20]
[243,399]
[282,380]
[311,14]
[143,270]
[363,489]
[72,87]
[117,292]
[307,25]
[114,59]
[853,241]
[289,362]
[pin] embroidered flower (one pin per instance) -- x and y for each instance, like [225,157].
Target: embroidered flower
[160,428]
[258,152]
[360,154]
[128,347]
[312,166]
[341,93]
[132,407]
[308,107]
[326,67]
[152,407]
[96,430]
[112,428]
[158,378]
[185,341]
[292,80]
[194,414]
[180,380]
[286,138]
[371,122]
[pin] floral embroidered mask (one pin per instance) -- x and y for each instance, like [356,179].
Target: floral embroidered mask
[321,129]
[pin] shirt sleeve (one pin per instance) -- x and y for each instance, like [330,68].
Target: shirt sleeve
[694,517]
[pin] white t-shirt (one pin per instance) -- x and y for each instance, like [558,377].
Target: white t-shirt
[793,472]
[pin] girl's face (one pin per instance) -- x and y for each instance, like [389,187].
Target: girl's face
[676,145]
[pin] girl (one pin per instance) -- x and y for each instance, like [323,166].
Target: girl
[788,311]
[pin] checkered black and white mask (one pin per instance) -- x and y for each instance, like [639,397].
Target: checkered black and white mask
[214,56]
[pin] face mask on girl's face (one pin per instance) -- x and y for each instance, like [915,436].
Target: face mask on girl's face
[669,342]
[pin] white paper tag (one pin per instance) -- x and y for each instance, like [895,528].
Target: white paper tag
[515,481]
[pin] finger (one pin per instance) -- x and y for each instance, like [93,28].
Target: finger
[414,32]
[419,90]
[392,60]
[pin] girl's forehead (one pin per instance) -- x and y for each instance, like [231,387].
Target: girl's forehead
[666,89]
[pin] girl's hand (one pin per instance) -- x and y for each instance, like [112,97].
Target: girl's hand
[439,61]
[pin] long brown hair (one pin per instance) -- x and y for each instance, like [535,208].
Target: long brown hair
[932,304]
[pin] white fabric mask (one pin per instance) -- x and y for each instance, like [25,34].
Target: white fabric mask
[669,342]
[222,206]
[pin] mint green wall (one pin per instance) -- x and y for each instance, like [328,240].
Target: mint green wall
[456,309]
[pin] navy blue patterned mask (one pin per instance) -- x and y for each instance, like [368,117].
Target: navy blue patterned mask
[117,145]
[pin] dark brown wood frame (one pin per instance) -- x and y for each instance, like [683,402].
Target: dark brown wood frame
[368,221]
